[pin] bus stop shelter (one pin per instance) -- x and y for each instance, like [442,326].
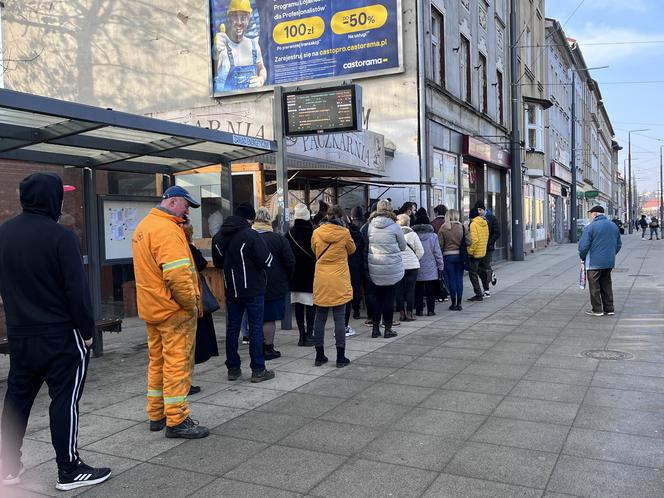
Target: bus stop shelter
[43,130]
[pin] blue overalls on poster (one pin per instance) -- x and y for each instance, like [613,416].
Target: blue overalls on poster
[240,76]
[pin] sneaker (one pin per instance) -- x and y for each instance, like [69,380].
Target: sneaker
[188,429]
[13,478]
[475,298]
[609,313]
[234,373]
[594,313]
[494,279]
[82,475]
[487,293]
[245,340]
[157,425]
[262,376]
[349,331]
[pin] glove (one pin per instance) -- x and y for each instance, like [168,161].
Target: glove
[256,82]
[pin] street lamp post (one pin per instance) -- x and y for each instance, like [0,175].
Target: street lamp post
[661,184]
[629,162]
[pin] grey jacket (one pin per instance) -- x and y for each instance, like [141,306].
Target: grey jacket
[432,261]
[386,241]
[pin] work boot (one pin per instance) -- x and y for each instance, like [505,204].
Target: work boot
[389,332]
[342,361]
[261,376]
[188,429]
[269,353]
[321,359]
[375,332]
[157,425]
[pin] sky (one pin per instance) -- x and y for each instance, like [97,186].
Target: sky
[601,27]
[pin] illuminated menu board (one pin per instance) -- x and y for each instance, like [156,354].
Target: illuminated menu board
[326,110]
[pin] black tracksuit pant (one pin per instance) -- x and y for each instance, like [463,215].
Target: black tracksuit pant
[61,360]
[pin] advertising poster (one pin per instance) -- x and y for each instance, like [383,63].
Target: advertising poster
[257,44]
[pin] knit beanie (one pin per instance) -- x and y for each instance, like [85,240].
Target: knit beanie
[245,211]
[422,219]
[301,212]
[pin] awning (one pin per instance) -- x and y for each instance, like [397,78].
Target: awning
[45,130]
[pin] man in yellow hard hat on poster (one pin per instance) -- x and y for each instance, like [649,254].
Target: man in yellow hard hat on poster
[239,59]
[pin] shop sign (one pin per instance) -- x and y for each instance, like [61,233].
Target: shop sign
[554,188]
[258,44]
[561,172]
[486,152]
[591,194]
[363,149]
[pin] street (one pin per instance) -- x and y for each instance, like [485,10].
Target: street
[495,400]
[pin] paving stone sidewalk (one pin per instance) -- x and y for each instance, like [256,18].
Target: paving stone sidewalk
[493,401]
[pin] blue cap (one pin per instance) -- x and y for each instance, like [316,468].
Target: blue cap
[180,192]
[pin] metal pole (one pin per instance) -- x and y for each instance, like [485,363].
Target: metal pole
[92,225]
[624,192]
[629,172]
[516,180]
[573,209]
[282,185]
[661,185]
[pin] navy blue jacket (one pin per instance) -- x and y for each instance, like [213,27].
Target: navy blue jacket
[599,244]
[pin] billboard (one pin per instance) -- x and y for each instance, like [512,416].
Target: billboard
[258,44]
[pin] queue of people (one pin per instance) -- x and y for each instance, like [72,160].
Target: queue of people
[392,259]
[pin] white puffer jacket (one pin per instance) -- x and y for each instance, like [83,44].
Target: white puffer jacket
[386,241]
[412,254]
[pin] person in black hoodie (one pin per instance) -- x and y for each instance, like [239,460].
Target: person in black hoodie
[302,281]
[244,257]
[356,267]
[278,275]
[487,275]
[50,324]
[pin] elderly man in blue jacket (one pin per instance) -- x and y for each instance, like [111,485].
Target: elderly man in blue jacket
[598,247]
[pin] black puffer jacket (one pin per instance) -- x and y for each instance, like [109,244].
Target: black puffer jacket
[356,260]
[244,257]
[283,264]
[299,237]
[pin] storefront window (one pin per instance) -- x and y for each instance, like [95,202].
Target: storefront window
[540,213]
[473,186]
[444,176]
[528,194]
[495,199]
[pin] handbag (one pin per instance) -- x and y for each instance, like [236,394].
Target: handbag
[210,303]
[443,292]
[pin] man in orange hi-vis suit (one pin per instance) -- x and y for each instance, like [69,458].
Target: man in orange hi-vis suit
[169,300]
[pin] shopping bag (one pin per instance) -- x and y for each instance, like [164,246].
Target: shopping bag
[582,275]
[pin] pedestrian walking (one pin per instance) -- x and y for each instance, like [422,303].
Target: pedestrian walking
[479,238]
[278,274]
[405,291]
[302,280]
[50,326]
[654,227]
[384,264]
[453,237]
[168,295]
[599,244]
[205,346]
[487,275]
[332,244]
[440,211]
[431,264]
[643,223]
[356,267]
[243,255]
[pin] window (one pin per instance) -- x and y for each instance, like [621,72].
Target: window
[464,56]
[484,100]
[444,177]
[499,97]
[438,46]
[535,129]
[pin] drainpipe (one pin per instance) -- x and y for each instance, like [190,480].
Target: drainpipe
[422,108]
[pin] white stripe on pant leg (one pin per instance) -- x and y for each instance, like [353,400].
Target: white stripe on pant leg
[83,348]
[73,413]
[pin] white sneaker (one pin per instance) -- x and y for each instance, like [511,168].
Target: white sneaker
[487,294]
[349,331]
[494,279]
